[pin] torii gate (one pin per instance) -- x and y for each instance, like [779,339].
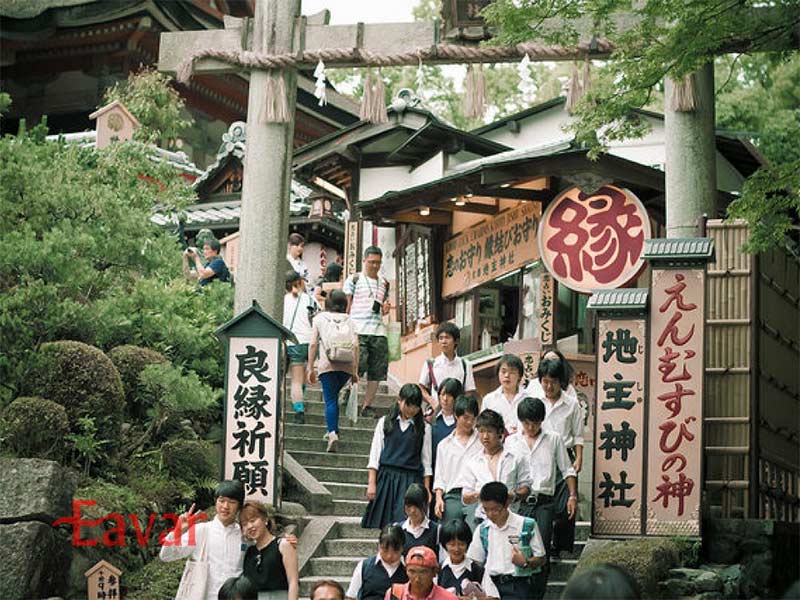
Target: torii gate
[293,42]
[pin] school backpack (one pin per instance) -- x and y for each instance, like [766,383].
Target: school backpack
[528,526]
[336,338]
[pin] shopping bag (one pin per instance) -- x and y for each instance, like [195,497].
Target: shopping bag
[195,576]
[393,339]
[352,404]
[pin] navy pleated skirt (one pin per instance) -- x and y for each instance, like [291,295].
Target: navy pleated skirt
[388,505]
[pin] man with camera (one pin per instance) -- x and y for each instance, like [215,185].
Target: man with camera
[215,268]
[367,302]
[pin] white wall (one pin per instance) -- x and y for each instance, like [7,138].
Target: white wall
[535,130]
[375,182]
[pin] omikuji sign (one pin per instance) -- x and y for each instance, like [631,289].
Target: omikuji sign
[253,402]
[594,241]
[490,249]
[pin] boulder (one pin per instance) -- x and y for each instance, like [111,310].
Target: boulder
[35,490]
[34,561]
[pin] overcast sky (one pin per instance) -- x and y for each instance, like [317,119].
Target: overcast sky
[353,11]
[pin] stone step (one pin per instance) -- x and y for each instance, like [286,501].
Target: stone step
[316,432]
[561,568]
[351,546]
[383,400]
[555,589]
[576,552]
[350,529]
[340,474]
[337,566]
[346,446]
[347,491]
[367,423]
[582,530]
[311,458]
[318,408]
[307,583]
[350,508]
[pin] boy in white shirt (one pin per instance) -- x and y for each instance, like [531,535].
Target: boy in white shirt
[505,399]
[495,463]
[545,453]
[454,452]
[445,365]
[510,548]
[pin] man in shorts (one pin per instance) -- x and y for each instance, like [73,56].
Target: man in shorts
[367,302]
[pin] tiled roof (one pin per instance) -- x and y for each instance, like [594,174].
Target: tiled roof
[621,299]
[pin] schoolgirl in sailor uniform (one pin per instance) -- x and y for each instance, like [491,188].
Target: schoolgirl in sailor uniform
[418,528]
[376,574]
[399,456]
[456,568]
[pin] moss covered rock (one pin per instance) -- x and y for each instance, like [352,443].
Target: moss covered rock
[83,380]
[36,428]
[648,560]
[187,460]
[130,360]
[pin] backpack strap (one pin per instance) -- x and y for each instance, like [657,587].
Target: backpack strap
[484,533]
[431,376]
[464,368]
[397,591]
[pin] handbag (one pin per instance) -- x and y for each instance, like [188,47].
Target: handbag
[394,342]
[352,404]
[194,580]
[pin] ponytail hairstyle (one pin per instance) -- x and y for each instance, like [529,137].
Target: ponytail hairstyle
[409,394]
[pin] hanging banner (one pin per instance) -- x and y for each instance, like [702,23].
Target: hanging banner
[594,241]
[619,480]
[352,264]
[251,415]
[494,247]
[675,412]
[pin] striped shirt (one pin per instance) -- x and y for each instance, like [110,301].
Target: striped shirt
[365,291]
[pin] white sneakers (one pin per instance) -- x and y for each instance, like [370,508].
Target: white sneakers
[333,441]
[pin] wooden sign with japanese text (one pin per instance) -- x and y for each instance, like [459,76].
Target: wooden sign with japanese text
[583,379]
[491,248]
[547,305]
[619,480]
[594,241]
[251,415]
[675,411]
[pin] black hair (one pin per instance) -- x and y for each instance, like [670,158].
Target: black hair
[490,418]
[392,536]
[331,583]
[450,386]
[450,329]
[512,361]
[237,588]
[336,301]
[333,273]
[466,404]
[417,495]
[455,529]
[494,491]
[602,581]
[531,409]
[553,368]
[295,239]
[373,250]
[213,243]
[230,488]
[562,358]
[291,277]
[410,394]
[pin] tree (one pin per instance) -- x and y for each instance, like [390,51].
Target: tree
[672,38]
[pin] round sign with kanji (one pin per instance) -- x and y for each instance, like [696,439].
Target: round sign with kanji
[594,241]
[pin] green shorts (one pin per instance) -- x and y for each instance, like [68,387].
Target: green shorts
[298,354]
[373,357]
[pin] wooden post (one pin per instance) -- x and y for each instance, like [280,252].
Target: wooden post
[267,169]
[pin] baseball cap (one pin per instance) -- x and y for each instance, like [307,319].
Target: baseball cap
[422,556]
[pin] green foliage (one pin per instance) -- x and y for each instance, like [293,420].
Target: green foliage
[157,106]
[5,102]
[130,360]
[648,560]
[87,446]
[84,381]
[36,428]
[188,460]
[156,581]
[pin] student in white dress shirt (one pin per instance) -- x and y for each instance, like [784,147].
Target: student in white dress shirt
[452,455]
[495,463]
[222,537]
[546,456]
[509,547]
[446,365]
[505,399]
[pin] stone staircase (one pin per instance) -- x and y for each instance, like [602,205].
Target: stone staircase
[344,474]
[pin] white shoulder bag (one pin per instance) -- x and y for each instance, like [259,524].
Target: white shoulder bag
[195,575]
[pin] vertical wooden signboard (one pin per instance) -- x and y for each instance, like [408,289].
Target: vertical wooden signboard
[675,410]
[618,496]
[253,402]
[546,309]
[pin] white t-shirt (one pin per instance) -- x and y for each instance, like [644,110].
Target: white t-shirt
[365,291]
[296,315]
[444,369]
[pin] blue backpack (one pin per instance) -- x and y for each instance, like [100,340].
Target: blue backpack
[528,528]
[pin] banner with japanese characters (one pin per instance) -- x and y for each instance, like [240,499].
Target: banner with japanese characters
[491,248]
[675,411]
[594,241]
[251,415]
[547,304]
[619,477]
